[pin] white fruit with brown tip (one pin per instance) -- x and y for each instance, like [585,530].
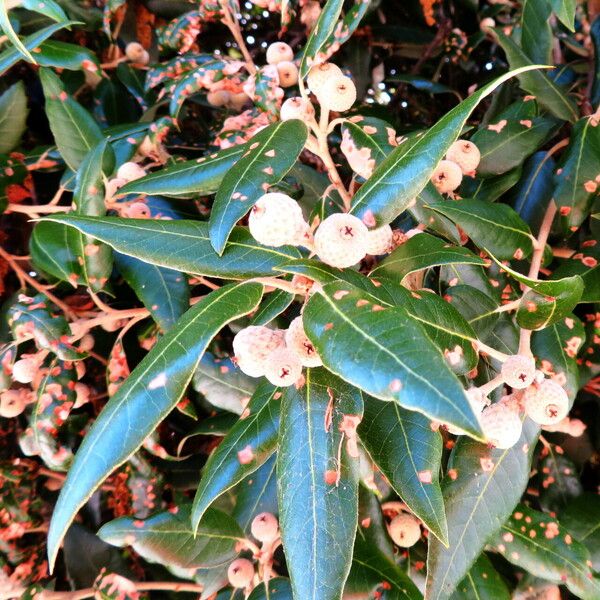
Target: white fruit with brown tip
[341,240]
[465,154]
[252,346]
[501,425]
[446,177]
[276,220]
[265,527]
[337,94]
[24,370]
[283,367]
[288,73]
[546,403]
[134,51]
[518,371]
[130,171]
[240,573]
[297,341]
[320,74]
[12,404]
[404,529]
[379,241]
[279,52]
[297,108]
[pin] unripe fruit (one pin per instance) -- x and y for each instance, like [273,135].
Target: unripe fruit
[297,108]
[265,527]
[86,343]
[446,177]
[279,52]
[288,74]
[240,573]
[130,171]
[379,241]
[319,75]
[275,220]
[404,530]
[134,51]
[138,210]
[518,371]
[237,101]
[501,425]
[487,23]
[296,340]
[465,154]
[546,403]
[218,98]
[24,370]
[253,345]
[341,240]
[283,367]
[338,94]
[12,404]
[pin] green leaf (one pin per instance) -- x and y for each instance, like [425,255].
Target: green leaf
[271,307]
[578,169]
[536,33]
[423,251]
[547,302]
[146,398]
[429,218]
[182,245]
[13,117]
[581,516]
[475,306]
[6,26]
[537,83]
[167,538]
[164,292]
[537,543]
[517,133]
[565,11]
[559,482]
[494,227]
[278,588]
[408,168]
[62,55]
[369,138]
[481,489]
[48,8]
[198,177]
[320,35]
[267,158]
[73,128]
[317,513]
[386,353]
[408,452]
[490,189]
[482,582]
[249,443]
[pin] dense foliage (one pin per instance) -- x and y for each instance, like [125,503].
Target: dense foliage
[299,300]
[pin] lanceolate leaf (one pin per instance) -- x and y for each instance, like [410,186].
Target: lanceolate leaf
[541,545]
[409,453]
[278,588]
[495,227]
[565,11]
[272,306]
[581,517]
[6,26]
[406,171]
[182,245]
[385,352]
[267,158]
[74,130]
[480,491]
[248,444]
[147,396]
[13,114]
[168,538]
[536,33]
[421,252]
[61,55]
[318,486]
[482,582]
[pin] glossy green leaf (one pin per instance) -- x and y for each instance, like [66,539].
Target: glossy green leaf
[317,486]
[167,538]
[429,218]
[320,35]
[407,170]
[375,348]
[13,116]
[164,292]
[182,245]
[48,8]
[475,306]
[481,489]
[267,158]
[538,543]
[482,582]
[73,128]
[147,396]
[581,517]
[62,55]
[409,453]
[565,11]
[559,482]
[490,189]
[271,307]
[253,437]
[7,28]
[516,133]
[278,588]
[494,227]
[536,33]
[367,140]
[537,83]
[422,252]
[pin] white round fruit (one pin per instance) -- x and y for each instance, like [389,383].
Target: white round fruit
[240,573]
[546,403]
[130,171]
[276,220]
[337,93]
[24,370]
[341,240]
[297,341]
[320,74]
[518,371]
[297,108]
[265,527]
[218,98]
[379,241]
[253,345]
[501,425]
[279,52]
[465,154]
[404,529]
[288,73]
[12,404]
[446,177]
[283,367]
[135,52]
